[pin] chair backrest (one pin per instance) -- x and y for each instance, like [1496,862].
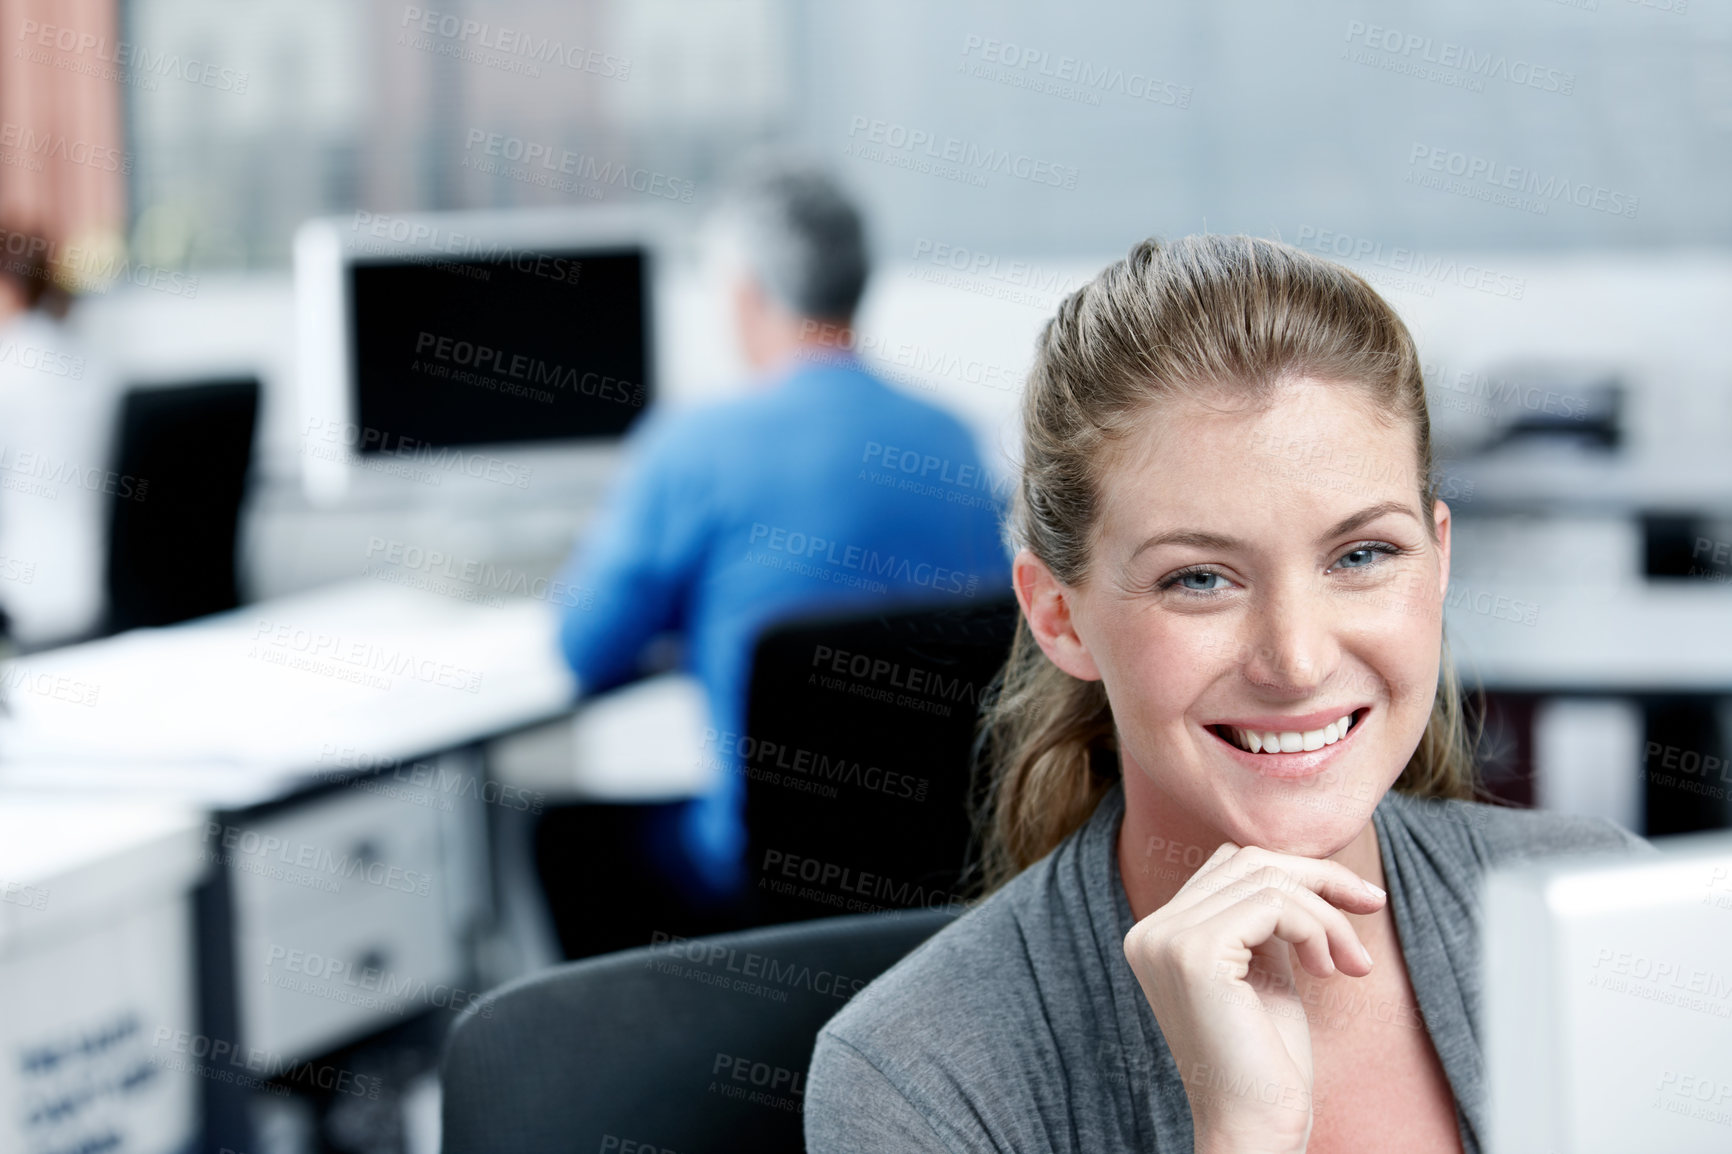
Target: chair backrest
[182,455]
[694,1045]
[859,735]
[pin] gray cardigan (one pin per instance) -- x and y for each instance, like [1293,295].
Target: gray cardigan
[1020,1027]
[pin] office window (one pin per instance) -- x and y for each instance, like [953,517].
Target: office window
[299,108]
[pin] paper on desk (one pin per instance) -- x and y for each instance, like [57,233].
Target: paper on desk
[333,678]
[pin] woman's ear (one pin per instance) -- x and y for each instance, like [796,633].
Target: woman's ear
[1049,604]
[1440,517]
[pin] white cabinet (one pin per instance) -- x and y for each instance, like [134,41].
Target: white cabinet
[349,912]
[97,1013]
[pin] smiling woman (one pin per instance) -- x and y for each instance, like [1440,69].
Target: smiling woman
[1227,723]
[1264,353]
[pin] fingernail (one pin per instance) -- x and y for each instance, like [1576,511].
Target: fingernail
[1374,891]
[1365,953]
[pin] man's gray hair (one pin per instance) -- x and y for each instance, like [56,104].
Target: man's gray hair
[801,238]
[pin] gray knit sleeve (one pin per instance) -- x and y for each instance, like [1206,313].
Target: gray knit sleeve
[852,1108]
[1500,833]
[1543,833]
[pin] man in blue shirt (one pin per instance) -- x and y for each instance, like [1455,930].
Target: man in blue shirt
[825,491]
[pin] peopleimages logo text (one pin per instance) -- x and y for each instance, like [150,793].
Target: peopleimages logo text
[1472,170]
[486,359]
[57,146]
[532,153]
[862,560]
[1406,260]
[1087,78]
[134,56]
[517,42]
[1450,55]
[971,158]
[435,241]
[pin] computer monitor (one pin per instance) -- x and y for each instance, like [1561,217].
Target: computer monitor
[469,344]
[1607,1016]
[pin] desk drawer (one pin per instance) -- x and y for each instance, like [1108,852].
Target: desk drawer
[311,984]
[349,846]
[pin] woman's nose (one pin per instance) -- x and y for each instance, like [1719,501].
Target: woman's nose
[1293,648]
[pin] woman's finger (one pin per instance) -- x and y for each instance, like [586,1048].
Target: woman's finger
[1270,886]
[1331,880]
[1229,935]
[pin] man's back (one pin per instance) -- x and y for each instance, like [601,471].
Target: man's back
[830,492]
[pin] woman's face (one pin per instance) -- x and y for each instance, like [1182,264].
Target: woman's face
[1258,575]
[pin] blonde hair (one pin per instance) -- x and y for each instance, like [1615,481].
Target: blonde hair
[1233,313]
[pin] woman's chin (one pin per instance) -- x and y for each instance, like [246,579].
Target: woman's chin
[1291,826]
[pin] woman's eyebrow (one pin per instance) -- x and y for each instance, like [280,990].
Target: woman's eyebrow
[1196,538]
[1366,515]
[1202,539]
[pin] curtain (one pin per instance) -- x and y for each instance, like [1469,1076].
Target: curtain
[63,165]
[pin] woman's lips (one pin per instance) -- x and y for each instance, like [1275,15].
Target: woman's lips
[1301,751]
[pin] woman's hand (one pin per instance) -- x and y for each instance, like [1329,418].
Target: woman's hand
[1215,967]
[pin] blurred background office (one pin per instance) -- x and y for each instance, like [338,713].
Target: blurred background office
[368,299]
[723,516]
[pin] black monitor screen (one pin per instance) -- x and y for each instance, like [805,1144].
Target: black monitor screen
[528,347]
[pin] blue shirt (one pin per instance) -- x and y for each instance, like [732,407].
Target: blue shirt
[831,492]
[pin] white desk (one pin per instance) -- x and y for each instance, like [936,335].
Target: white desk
[96,973]
[358,674]
[641,742]
[266,723]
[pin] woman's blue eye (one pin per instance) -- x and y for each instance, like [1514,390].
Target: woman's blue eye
[1364,556]
[1199,582]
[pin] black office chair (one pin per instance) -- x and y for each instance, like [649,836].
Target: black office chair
[693,1046]
[182,456]
[860,732]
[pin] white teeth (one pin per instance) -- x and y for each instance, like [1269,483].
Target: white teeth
[1290,741]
